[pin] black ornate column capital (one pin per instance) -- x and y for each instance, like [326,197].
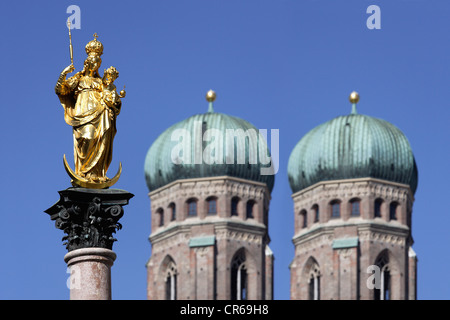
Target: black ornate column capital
[89,217]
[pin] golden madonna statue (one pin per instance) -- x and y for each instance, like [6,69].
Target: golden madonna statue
[91,105]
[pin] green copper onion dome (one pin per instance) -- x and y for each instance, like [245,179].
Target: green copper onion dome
[208,145]
[352,146]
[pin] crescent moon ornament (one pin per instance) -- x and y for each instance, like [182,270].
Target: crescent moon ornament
[78,181]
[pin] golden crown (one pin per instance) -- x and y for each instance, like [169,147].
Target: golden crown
[94,47]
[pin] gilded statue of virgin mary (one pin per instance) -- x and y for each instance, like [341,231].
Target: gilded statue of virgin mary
[91,105]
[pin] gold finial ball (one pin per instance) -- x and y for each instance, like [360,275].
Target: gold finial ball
[354,97]
[210,96]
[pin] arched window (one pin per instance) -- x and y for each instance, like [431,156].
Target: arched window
[383,284]
[315,209]
[234,206]
[173,211]
[335,209]
[303,218]
[249,211]
[314,282]
[160,213]
[377,208]
[192,207]
[393,211]
[212,205]
[239,283]
[355,207]
[239,278]
[171,281]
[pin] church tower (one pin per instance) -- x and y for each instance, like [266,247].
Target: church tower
[353,180]
[209,210]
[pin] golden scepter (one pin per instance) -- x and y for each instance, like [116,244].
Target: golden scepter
[70,41]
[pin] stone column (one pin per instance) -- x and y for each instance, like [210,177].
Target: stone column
[90,273]
[89,217]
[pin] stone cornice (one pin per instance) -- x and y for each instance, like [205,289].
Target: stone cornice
[220,225]
[373,230]
[186,186]
[379,186]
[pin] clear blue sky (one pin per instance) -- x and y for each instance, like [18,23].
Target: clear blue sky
[280,64]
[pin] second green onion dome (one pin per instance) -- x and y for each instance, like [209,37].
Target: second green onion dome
[352,146]
[179,152]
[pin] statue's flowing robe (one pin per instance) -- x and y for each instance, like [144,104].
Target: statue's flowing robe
[93,128]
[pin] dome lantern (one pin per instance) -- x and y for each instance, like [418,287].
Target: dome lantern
[354,98]
[210,97]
